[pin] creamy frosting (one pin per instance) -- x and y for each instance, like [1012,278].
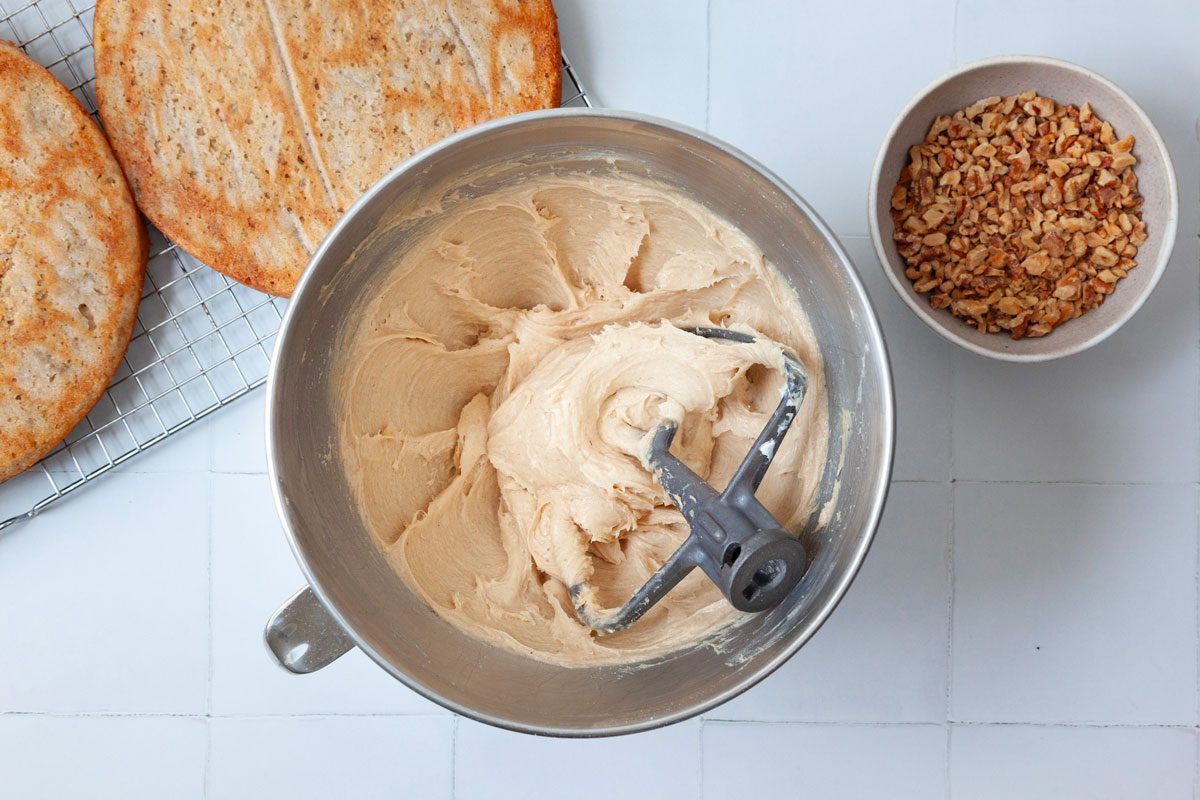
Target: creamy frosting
[500,386]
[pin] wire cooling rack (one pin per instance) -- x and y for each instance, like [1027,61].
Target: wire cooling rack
[201,340]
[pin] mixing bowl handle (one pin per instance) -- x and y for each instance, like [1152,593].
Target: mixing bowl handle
[302,635]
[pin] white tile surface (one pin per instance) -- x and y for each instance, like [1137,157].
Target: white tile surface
[882,655]
[994,762]
[101,758]
[237,439]
[1123,411]
[1074,604]
[104,600]
[617,47]
[921,362]
[326,757]
[811,88]
[849,762]
[491,764]
[253,574]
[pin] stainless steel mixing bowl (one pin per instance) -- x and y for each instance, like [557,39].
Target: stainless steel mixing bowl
[355,599]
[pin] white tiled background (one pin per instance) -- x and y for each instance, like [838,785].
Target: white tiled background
[1026,625]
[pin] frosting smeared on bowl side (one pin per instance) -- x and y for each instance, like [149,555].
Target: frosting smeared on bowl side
[498,388]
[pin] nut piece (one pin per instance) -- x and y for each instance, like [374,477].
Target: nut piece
[1018,213]
[1036,264]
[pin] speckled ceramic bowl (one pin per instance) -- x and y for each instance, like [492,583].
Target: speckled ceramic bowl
[1065,83]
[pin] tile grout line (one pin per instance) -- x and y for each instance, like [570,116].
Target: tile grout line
[175,715]
[951,587]
[872,724]
[207,756]
[782,723]
[949,729]
[902,724]
[208,692]
[825,723]
[212,443]
[454,757]
[954,34]
[1055,482]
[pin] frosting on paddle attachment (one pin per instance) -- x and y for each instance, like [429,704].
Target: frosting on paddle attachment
[734,539]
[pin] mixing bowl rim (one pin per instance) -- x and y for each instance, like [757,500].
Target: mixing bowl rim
[875,340]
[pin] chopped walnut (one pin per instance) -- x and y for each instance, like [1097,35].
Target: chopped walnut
[1018,213]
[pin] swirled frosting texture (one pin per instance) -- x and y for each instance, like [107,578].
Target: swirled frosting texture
[499,386]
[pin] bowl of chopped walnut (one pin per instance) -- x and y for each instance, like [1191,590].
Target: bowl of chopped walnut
[1023,207]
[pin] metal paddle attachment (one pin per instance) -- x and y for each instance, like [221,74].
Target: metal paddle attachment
[740,546]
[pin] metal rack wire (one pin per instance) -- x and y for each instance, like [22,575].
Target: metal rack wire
[201,340]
